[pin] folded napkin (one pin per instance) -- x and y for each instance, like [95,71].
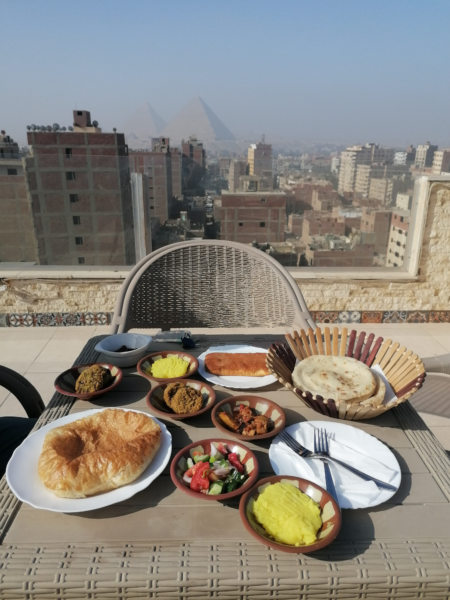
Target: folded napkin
[347,445]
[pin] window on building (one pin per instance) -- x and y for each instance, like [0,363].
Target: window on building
[79,241]
[73,197]
[76,220]
[12,172]
[68,152]
[71,175]
[241,224]
[81,260]
[262,223]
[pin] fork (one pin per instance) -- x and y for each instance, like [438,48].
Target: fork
[306,453]
[321,448]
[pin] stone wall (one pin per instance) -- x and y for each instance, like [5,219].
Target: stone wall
[430,293]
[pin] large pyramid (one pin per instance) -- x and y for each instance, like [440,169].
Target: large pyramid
[197,119]
[143,125]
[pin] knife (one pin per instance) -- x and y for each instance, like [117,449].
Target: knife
[305,453]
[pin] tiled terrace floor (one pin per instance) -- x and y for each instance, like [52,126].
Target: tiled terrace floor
[41,353]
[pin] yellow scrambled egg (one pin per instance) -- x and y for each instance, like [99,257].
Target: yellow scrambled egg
[287,514]
[170,366]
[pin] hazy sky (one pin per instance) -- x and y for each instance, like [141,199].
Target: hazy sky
[345,71]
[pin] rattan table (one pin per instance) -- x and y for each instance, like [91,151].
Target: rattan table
[162,543]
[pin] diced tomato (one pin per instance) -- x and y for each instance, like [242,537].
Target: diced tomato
[200,480]
[222,449]
[192,470]
[234,460]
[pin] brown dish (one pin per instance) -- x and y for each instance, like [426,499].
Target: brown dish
[156,401]
[259,406]
[145,364]
[246,456]
[66,381]
[330,513]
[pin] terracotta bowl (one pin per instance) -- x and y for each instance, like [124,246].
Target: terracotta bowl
[259,405]
[155,399]
[403,369]
[247,458]
[330,512]
[144,365]
[65,383]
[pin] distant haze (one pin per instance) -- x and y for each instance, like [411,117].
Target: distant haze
[294,71]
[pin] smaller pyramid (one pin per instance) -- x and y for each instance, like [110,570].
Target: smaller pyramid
[199,120]
[143,125]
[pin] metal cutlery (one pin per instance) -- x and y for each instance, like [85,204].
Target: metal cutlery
[321,446]
[306,453]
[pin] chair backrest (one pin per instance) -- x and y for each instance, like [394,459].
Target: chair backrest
[23,390]
[209,283]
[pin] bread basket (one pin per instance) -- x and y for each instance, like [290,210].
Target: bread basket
[402,368]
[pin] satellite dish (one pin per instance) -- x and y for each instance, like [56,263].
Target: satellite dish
[33,127]
[28,127]
[63,128]
[70,128]
[114,129]
[49,127]
[95,123]
[55,126]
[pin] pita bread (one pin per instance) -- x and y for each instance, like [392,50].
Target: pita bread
[339,377]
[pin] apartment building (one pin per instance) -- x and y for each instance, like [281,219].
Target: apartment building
[380,189]
[252,216]
[397,237]
[354,156]
[237,169]
[321,223]
[424,155]
[441,162]
[156,165]
[79,182]
[259,159]
[17,234]
[375,227]
[193,164]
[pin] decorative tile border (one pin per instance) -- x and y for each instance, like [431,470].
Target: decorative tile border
[54,319]
[393,316]
[322,316]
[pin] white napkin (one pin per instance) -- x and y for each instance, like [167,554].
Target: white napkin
[352,490]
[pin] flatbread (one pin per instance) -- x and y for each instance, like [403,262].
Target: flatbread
[339,377]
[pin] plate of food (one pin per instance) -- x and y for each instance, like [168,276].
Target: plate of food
[350,445]
[37,471]
[236,366]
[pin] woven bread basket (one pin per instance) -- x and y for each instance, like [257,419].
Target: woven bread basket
[402,368]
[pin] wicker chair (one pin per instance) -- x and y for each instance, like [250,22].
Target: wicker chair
[209,283]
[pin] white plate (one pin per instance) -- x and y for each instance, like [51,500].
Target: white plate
[232,381]
[349,444]
[22,474]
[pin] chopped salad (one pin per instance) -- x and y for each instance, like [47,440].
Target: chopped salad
[218,472]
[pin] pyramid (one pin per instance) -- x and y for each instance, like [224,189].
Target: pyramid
[143,125]
[197,119]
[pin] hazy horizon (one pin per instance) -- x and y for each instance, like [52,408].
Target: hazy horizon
[322,71]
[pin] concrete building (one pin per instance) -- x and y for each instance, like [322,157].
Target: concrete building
[369,154]
[259,158]
[321,223]
[249,217]
[295,224]
[397,238]
[441,162]
[79,181]
[337,251]
[424,155]
[380,189]
[17,234]
[236,170]
[157,167]
[375,226]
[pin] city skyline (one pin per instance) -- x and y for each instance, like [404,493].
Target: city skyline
[343,73]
